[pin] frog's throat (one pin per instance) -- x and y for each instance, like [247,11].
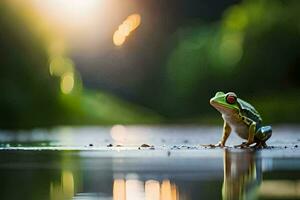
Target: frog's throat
[223,107]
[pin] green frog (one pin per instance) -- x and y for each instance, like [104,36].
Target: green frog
[241,117]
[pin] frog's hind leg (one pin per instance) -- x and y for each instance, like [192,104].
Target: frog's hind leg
[260,144]
[264,144]
[262,135]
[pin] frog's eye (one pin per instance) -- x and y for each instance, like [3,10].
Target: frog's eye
[231,98]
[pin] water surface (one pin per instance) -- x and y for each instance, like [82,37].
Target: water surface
[78,163]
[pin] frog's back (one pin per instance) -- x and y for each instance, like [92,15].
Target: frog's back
[249,111]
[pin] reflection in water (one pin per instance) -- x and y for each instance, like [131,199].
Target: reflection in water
[57,175]
[242,175]
[152,190]
[280,189]
[119,189]
[63,189]
[133,189]
[168,191]
[242,180]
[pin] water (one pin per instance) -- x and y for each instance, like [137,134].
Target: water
[75,163]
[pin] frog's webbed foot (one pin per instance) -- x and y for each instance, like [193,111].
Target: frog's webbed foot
[219,144]
[243,145]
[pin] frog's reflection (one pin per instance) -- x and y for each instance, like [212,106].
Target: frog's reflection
[63,189]
[242,175]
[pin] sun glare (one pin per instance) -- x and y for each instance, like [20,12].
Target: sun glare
[129,25]
[69,13]
[60,65]
[67,83]
[118,133]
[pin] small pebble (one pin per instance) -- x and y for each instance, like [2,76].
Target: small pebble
[285,147]
[145,145]
[139,148]
[91,145]
[119,145]
[109,145]
[296,146]
[152,148]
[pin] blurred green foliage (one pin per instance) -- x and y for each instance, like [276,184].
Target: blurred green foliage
[253,50]
[28,94]
[30,97]
[94,107]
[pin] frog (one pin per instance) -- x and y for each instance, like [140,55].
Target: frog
[241,117]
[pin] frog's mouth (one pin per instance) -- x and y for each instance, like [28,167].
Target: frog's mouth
[223,107]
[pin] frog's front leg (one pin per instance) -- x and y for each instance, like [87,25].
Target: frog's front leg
[225,135]
[251,134]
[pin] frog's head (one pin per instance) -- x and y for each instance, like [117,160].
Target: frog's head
[225,103]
